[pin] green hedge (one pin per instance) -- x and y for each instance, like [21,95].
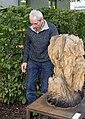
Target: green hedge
[13,24]
[67,21]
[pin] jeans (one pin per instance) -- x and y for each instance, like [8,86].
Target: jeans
[44,70]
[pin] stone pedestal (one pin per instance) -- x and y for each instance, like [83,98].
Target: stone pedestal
[36,4]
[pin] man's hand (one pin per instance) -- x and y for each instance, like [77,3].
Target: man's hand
[23,67]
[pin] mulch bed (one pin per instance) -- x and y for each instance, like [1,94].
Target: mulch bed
[15,111]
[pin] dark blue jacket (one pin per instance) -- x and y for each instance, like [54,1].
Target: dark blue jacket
[36,44]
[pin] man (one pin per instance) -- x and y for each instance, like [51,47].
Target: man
[36,53]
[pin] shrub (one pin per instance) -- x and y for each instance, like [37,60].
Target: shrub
[13,22]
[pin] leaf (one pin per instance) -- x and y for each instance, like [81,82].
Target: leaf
[34,114]
[9,76]
[24,100]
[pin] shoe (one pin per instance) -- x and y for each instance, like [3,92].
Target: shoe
[43,117]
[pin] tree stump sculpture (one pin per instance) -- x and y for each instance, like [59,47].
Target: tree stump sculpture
[65,87]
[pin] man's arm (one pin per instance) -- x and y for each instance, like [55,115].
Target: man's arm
[26,54]
[53,30]
[26,49]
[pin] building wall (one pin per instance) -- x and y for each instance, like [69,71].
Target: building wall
[7,3]
[35,4]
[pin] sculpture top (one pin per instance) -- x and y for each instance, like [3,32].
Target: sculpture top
[66,53]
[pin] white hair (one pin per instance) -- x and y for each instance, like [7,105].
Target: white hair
[37,14]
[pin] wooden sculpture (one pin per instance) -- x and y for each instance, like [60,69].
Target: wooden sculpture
[65,87]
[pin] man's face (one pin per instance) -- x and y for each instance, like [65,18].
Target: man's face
[36,23]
